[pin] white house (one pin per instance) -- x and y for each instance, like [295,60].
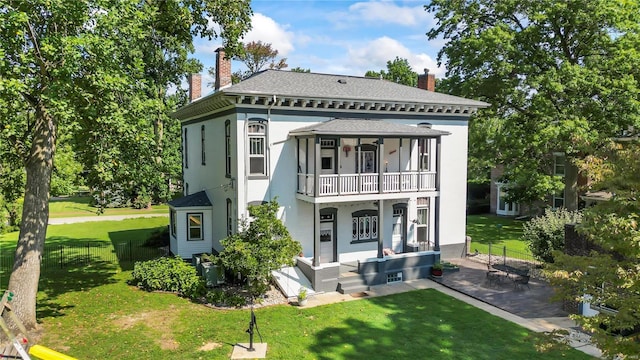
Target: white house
[366,171]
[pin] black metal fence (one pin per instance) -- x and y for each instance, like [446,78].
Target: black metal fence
[500,254]
[86,253]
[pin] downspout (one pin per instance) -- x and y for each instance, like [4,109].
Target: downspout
[246,172]
[269,144]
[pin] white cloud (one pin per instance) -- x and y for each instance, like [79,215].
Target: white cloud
[265,29]
[375,54]
[387,12]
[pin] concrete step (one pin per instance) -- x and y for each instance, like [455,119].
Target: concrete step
[352,284]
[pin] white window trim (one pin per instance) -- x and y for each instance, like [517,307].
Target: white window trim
[257,135]
[189,227]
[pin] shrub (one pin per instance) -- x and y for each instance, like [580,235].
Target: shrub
[545,233]
[168,274]
[158,238]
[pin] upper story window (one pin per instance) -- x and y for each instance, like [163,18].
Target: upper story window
[559,164]
[202,148]
[194,230]
[424,161]
[257,132]
[185,149]
[227,147]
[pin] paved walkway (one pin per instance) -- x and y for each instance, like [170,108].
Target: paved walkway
[536,319]
[81,219]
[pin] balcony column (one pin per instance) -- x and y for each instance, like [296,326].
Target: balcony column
[316,167]
[380,228]
[436,228]
[380,165]
[316,234]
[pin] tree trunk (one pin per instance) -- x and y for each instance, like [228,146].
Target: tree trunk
[35,216]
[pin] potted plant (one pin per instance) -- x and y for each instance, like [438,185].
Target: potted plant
[436,270]
[302,296]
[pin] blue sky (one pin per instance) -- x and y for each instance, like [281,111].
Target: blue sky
[340,37]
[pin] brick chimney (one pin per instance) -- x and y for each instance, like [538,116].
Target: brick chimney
[195,87]
[223,70]
[427,81]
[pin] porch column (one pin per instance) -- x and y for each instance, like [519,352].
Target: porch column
[316,168]
[316,234]
[436,228]
[380,228]
[380,165]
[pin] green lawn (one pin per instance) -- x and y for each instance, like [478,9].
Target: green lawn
[484,229]
[80,206]
[102,318]
[91,313]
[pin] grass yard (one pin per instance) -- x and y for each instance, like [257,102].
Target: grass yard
[106,319]
[91,313]
[80,206]
[484,229]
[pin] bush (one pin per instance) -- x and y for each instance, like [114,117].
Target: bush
[158,238]
[168,274]
[545,233]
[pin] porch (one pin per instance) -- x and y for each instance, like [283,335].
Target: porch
[352,184]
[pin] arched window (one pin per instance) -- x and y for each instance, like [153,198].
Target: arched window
[364,225]
[257,133]
[227,147]
[185,149]
[229,218]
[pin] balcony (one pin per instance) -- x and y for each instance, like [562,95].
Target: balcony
[368,183]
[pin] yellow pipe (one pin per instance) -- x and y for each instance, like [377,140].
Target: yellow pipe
[45,353]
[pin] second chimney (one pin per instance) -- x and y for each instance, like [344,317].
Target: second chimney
[223,70]
[195,86]
[427,81]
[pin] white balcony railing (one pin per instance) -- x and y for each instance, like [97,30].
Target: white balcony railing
[350,184]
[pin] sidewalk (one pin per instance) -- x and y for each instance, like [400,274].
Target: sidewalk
[81,219]
[533,324]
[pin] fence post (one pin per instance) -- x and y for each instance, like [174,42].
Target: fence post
[61,256]
[88,252]
[489,252]
[130,250]
[504,255]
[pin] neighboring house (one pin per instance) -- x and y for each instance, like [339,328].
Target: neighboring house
[362,168]
[569,197]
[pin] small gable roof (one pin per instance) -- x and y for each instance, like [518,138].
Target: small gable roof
[199,199]
[359,127]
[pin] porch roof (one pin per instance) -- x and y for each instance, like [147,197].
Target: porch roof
[358,127]
[198,199]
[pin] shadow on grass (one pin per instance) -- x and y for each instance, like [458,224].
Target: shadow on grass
[55,282]
[419,324]
[129,246]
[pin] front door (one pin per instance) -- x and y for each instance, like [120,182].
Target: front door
[398,233]
[327,241]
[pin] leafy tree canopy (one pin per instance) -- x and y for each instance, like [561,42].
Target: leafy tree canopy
[561,77]
[398,71]
[609,276]
[96,73]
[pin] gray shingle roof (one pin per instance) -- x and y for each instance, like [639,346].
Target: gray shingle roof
[198,199]
[295,84]
[358,127]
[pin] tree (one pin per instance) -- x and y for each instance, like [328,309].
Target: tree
[398,71]
[561,77]
[97,71]
[610,275]
[262,246]
[300,70]
[255,55]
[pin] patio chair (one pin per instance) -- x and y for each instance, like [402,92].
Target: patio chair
[521,280]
